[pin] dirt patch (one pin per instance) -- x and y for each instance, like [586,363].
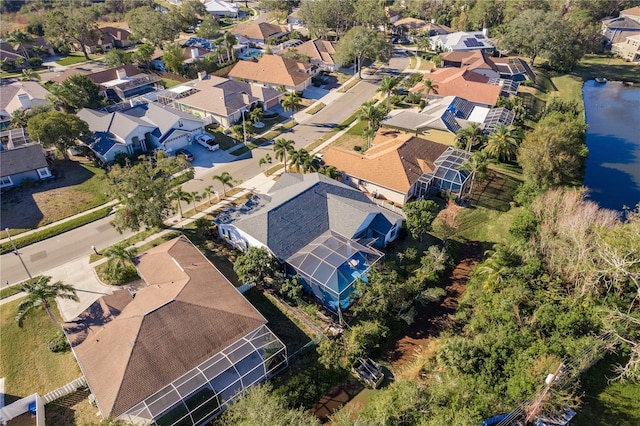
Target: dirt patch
[432,319]
[335,399]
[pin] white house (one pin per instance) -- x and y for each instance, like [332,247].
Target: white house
[139,129]
[222,8]
[462,41]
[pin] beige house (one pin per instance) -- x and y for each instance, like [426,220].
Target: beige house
[274,71]
[632,13]
[320,52]
[179,350]
[259,33]
[220,99]
[401,166]
[629,50]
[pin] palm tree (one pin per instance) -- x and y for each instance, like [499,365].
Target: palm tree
[119,260]
[302,159]
[281,148]
[208,191]
[179,195]
[370,133]
[292,102]
[330,172]
[387,85]
[30,75]
[39,294]
[502,143]
[18,37]
[478,165]
[429,86]
[229,40]
[373,115]
[470,136]
[195,198]
[423,44]
[266,160]
[225,179]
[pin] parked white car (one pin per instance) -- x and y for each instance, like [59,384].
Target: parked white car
[207,141]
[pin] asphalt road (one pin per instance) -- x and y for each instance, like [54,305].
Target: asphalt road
[71,245]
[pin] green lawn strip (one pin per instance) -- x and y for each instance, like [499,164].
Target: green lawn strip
[347,122]
[243,149]
[349,85]
[136,238]
[272,170]
[612,68]
[608,403]
[25,360]
[76,58]
[426,64]
[169,83]
[56,230]
[289,124]
[483,224]
[10,291]
[315,109]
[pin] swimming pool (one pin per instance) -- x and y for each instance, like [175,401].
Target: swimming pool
[250,53]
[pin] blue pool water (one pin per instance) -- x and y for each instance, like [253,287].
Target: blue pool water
[250,53]
[613,167]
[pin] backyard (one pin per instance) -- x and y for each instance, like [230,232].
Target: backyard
[75,58]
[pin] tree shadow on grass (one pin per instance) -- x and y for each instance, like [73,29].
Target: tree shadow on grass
[495,192]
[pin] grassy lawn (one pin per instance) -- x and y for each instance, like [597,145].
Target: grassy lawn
[613,68]
[426,65]
[25,360]
[168,83]
[9,291]
[225,141]
[608,404]
[76,58]
[358,129]
[349,85]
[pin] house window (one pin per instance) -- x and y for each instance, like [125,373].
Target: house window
[44,173]
[5,181]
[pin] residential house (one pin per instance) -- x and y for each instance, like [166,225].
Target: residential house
[321,53]
[614,29]
[469,85]
[482,63]
[20,95]
[36,47]
[400,167]
[8,56]
[139,129]
[120,37]
[442,118]
[325,232]
[118,84]
[194,53]
[179,350]
[20,159]
[222,9]
[392,15]
[220,100]
[462,41]
[419,27]
[259,33]
[632,13]
[629,50]
[274,71]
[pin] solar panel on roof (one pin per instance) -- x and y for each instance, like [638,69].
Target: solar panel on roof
[480,36]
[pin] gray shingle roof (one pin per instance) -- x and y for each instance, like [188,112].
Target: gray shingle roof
[21,159]
[299,208]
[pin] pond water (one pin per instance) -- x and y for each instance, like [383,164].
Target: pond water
[613,138]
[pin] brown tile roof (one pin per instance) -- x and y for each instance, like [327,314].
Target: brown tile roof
[475,59]
[395,161]
[128,348]
[272,69]
[116,33]
[462,83]
[319,50]
[411,24]
[261,31]
[97,77]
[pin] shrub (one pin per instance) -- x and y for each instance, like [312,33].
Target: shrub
[357,148]
[59,343]
[35,62]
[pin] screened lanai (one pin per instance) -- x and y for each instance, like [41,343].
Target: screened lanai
[330,265]
[204,392]
[448,174]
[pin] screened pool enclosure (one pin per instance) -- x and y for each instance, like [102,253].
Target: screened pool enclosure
[330,265]
[204,392]
[447,176]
